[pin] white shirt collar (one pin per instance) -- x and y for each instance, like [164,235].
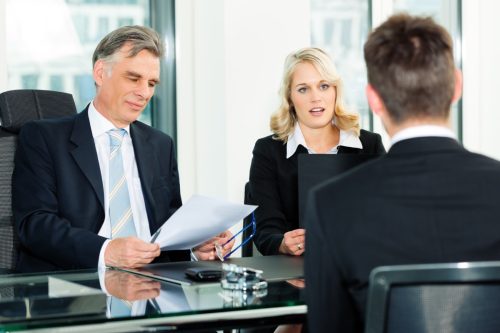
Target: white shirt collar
[347,139]
[421,131]
[99,124]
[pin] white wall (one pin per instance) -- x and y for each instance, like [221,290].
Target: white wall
[230,59]
[481,68]
[3,48]
[201,100]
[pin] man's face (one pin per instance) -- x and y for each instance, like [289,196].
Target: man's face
[125,85]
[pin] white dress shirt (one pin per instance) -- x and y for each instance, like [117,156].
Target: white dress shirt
[422,131]
[346,139]
[100,126]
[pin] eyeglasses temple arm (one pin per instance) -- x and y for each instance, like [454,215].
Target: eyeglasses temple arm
[254,225]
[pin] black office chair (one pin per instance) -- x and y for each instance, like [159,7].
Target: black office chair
[247,249]
[16,108]
[454,298]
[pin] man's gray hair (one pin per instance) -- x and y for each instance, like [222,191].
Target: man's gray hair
[139,37]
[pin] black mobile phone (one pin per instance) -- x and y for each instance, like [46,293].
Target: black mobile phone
[203,273]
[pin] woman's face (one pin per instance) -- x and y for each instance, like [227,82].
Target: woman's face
[312,97]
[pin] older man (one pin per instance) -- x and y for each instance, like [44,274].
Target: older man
[89,190]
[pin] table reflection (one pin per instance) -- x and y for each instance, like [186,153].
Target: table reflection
[38,297]
[85,297]
[130,287]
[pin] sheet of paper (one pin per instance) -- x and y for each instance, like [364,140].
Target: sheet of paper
[198,220]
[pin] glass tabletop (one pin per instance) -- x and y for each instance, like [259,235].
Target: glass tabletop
[86,297]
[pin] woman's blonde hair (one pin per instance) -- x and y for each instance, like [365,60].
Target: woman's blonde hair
[284,119]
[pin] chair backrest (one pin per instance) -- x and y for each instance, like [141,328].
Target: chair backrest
[458,297]
[247,249]
[16,108]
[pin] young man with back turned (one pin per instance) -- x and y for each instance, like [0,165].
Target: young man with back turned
[428,200]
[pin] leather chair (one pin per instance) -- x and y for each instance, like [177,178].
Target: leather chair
[16,108]
[455,297]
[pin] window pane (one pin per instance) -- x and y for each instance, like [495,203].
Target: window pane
[51,42]
[56,83]
[421,7]
[340,28]
[446,12]
[29,81]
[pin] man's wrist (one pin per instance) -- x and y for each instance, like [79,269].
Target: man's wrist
[101,264]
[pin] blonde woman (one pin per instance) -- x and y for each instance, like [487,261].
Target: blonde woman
[311,119]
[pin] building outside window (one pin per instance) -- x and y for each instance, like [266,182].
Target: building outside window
[56,82]
[51,43]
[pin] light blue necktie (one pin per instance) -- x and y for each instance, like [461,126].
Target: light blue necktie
[120,211]
[120,308]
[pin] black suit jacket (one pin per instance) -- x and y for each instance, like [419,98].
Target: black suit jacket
[428,200]
[274,187]
[57,190]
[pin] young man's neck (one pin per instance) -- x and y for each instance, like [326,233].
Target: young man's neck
[392,128]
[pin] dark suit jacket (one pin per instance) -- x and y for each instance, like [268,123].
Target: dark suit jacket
[58,198]
[428,200]
[274,187]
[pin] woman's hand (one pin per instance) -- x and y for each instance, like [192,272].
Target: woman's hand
[206,251]
[294,242]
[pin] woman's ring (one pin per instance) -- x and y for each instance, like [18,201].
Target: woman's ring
[299,246]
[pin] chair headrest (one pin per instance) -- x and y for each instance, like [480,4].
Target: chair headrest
[20,106]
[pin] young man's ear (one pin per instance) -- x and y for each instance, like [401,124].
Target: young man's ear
[457,92]
[375,101]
